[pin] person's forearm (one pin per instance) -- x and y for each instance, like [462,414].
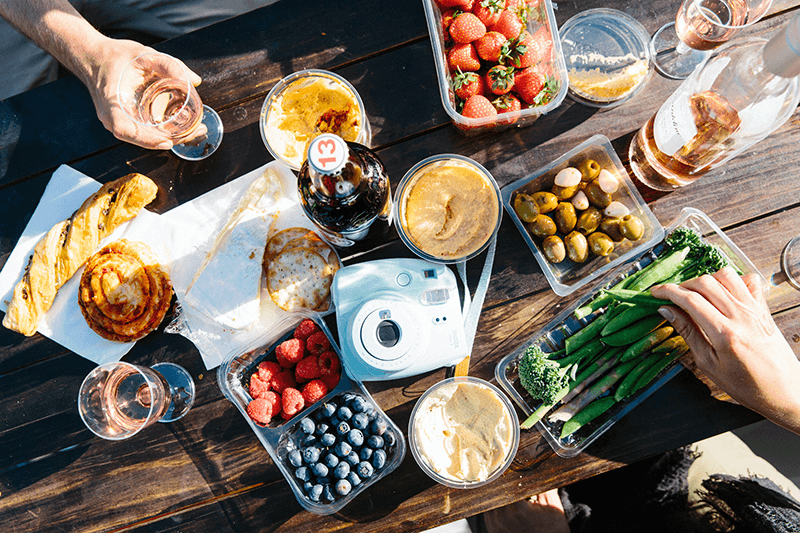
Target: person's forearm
[56,27]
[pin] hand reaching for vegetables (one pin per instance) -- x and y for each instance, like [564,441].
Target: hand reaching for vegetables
[726,322]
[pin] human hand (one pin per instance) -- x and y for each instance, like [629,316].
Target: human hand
[726,322]
[102,79]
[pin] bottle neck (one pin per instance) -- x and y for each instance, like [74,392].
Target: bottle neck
[781,55]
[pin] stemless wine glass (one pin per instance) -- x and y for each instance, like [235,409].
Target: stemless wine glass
[701,25]
[790,262]
[117,400]
[151,93]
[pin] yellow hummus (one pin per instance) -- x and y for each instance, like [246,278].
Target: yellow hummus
[306,108]
[451,209]
[463,431]
[608,80]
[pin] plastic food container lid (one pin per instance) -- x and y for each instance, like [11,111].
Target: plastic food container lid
[607,57]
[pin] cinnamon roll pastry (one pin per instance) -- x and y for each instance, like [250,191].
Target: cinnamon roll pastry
[124,291]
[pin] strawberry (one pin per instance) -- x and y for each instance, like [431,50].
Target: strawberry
[509,105]
[490,46]
[528,83]
[466,5]
[465,84]
[467,28]
[539,48]
[500,79]
[489,11]
[478,106]
[463,57]
[508,24]
[447,19]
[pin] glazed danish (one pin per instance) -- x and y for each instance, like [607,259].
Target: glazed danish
[124,291]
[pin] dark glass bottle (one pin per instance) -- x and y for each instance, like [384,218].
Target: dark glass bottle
[343,189]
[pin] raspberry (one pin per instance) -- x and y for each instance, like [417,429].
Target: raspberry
[257,386]
[267,370]
[331,380]
[260,411]
[305,329]
[290,352]
[275,400]
[314,390]
[328,363]
[318,343]
[308,368]
[292,402]
[282,380]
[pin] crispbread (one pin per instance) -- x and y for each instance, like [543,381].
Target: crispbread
[277,242]
[299,278]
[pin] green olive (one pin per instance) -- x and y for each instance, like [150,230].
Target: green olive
[553,248]
[577,247]
[565,217]
[597,196]
[589,169]
[600,243]
[589,220]
[610,226]
[631,227]
[525,207]
[564,193]
[545,201]
[543,226]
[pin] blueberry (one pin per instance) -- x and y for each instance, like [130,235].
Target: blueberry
[348,397]
[358,404]
[328,439]
[307,486]
[364,470]
[311,455]
[371,413]
[353,478]
[389,438]
[379,459]
[355,437]
[341,470]
[320,470]
[360,421]
[307,425]
[295,458]
[322,428]
[378,426]
[342,449]
[315,493]
[327,493]
[303,473]
[343,487]
[344,413]
[374,441]
[328,409]
[325,480]
[331,460]
[365,454]
[352,458]
[309,440]
[342,429]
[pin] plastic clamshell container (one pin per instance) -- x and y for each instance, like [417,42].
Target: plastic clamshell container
[525,117]
[552,337]
[567,276]
[405,187]
[510,453]
[281,437]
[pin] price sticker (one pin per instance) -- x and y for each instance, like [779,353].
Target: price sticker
[327,153]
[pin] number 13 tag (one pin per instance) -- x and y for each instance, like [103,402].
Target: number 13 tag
[327,153]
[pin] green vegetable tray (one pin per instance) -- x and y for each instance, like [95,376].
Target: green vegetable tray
[552,337]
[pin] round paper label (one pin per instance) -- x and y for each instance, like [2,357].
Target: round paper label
[327,153]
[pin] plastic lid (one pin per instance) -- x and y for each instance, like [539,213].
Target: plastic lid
[607,56]
[327,154]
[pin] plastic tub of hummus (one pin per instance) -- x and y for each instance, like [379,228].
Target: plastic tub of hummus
[448,208]
[306,104]
[463,432]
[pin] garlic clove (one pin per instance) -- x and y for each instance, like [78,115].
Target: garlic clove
[607,181]
[580,201]
[616,209]
[568,177]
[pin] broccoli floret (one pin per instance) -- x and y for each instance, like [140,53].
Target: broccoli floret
[683,237]
[540,376]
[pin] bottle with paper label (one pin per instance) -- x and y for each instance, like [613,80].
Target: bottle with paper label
[343,189]
[744,91]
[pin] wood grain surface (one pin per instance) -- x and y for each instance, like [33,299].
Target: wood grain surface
[207,471]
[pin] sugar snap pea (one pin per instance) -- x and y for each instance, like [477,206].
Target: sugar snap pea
[663,362]
[651,340]
[660,270]
[586,415]
[670,344]
[625,387]
[634,297]
[627,317]
[634,332]
[591,330]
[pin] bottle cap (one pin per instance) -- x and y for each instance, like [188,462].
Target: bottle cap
[782,53]
[327,154]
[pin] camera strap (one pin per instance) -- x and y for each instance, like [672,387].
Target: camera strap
[471,310]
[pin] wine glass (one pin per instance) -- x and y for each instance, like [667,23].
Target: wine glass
[117,400]
[152,94]
[701,25]
[790,262]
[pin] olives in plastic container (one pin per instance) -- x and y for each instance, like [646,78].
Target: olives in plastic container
[590,169]
[600,243]
[610,226]
[543,226]
[565,217]
[564,193]
[553,248]
[631,227]
[545,201]
[597,196]
[589,220]
[577,247]
[526,207]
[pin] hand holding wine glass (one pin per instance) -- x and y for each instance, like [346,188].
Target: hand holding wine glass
[157,91]
[701,25]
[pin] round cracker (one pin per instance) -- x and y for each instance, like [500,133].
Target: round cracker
[277,242]
[298,278]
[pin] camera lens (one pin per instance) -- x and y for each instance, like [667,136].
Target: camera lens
[388,333]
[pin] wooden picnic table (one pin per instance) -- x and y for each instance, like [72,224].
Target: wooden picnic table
[207,471]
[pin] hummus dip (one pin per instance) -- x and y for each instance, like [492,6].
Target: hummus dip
[463,431]
[306,108]
[451,209]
